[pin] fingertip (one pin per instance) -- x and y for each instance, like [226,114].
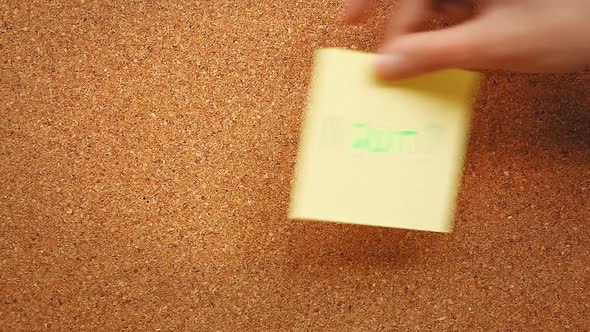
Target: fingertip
[388,65]
[356,10]
[395,70]
[393,63]
[419,53]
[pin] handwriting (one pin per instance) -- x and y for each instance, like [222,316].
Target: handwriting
[364,137]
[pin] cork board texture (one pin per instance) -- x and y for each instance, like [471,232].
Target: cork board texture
[147,151]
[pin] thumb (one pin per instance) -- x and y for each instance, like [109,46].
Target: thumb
[465,45]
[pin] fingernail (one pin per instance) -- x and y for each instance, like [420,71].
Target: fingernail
[388,63]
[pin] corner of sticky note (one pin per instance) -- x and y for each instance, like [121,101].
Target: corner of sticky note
[381,153]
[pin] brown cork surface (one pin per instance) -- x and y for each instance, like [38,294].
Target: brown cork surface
[147,150]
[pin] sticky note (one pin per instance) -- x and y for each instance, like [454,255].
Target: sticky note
[381,153]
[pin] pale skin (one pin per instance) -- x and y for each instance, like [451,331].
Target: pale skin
[533,36]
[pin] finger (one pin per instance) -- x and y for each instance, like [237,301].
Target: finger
[355,10]
[416,15]
[462,46]
[439,5]
[455,11]
[410,18]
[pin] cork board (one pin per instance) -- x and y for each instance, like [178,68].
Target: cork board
[147,150]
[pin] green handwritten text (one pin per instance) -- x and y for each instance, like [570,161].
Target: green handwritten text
[375,139]
[360,136]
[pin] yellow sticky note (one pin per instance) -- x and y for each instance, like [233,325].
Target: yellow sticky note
[381,153]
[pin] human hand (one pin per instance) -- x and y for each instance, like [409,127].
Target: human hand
[541,36]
